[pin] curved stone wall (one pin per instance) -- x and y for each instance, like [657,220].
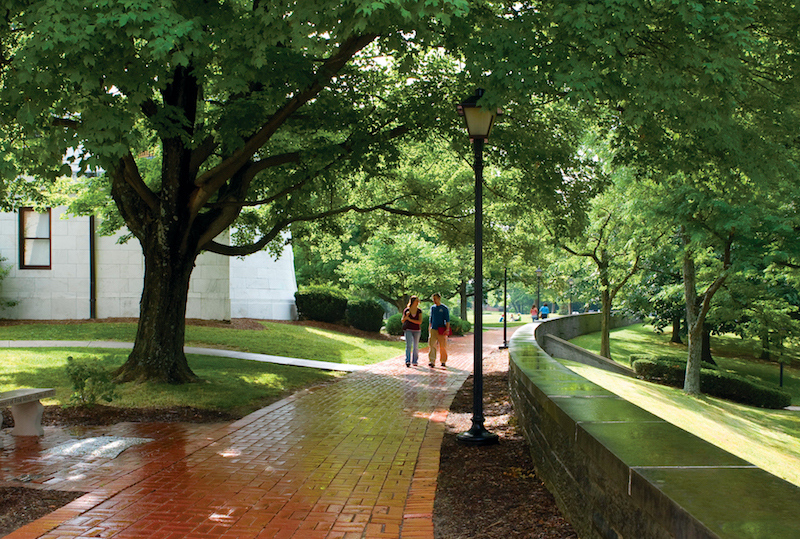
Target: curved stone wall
[618,471]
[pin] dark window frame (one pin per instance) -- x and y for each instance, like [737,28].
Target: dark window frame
[23,239]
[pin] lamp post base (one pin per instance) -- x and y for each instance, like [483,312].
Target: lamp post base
[478,435]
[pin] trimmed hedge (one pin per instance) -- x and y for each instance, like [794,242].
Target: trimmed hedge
[459,325]
[395,327]
[672,372]
[321,303]
[365,314]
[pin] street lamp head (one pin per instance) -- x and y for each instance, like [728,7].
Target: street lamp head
[479,120]
[538,272]
[571,281]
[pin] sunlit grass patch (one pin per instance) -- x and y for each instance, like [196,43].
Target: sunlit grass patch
[770,439]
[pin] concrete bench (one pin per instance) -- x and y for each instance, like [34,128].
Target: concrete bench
[26,409]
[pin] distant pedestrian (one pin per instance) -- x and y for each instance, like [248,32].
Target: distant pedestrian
[412,328]
[440,327]
[534,313]
[544,312]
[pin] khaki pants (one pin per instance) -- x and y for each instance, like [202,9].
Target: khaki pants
[437,341]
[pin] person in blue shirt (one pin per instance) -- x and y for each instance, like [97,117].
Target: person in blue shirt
[439,321]
[545,311]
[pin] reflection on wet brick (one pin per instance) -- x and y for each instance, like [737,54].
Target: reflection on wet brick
[356,458]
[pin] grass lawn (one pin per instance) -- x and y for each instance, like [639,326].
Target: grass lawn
[234,385]
[769,439]
[730,352]
[276,339]
[491,319]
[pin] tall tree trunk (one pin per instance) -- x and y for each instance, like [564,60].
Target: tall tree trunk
[694,326]
[158,353]
[676,330]
[462,293]
[705,353]
[606,298]
[765,346]
[605,323]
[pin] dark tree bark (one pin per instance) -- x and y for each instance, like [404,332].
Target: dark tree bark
[676,330]
[705,353]
[191,207]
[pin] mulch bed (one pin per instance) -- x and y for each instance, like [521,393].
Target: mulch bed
[492,492]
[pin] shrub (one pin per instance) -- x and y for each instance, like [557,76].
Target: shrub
[672,372]
[459,326]
[90,383]
[322,303]
[393,324]
[365,314]
[394,327]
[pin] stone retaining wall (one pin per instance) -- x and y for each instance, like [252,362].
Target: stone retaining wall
[618,471]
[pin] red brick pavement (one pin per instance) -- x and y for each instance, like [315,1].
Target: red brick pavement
[358,458]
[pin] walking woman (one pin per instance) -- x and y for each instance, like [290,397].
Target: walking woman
[412,328]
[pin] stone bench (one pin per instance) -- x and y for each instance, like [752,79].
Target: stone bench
[26,409]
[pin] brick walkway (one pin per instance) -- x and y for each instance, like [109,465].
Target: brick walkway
[358,458]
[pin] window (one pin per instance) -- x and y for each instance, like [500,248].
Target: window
[34,239]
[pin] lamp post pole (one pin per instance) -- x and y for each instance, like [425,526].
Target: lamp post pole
[505,310]
[479,124]
[538,290]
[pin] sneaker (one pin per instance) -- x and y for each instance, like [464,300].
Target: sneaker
[431,365]
[408,365]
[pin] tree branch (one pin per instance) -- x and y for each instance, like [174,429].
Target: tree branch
[211,181]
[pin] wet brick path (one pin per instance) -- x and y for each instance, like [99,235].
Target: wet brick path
[358,458]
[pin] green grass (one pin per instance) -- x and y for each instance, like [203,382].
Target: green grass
[491,319]
[730,353]
[237,386]
[234,385]
[770,439]
[276,339]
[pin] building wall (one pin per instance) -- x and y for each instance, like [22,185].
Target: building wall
[59,292]
[262,287]
[221,287]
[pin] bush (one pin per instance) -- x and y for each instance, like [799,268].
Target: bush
[394,327]
[322,303]
[459,326]
[90,383]
[393,324]
[724,385]
[365,314]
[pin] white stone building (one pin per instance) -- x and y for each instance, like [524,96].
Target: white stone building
[59,268]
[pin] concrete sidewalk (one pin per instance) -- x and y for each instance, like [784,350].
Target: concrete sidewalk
[358,458]
[265,358]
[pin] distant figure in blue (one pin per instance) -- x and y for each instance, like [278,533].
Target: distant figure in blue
[412,328]
[440,326]
[544,311]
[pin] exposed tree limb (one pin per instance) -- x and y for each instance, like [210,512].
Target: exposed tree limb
[211,181]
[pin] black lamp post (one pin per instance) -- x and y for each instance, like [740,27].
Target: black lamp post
[505,310]
[479,124]
[538,290]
